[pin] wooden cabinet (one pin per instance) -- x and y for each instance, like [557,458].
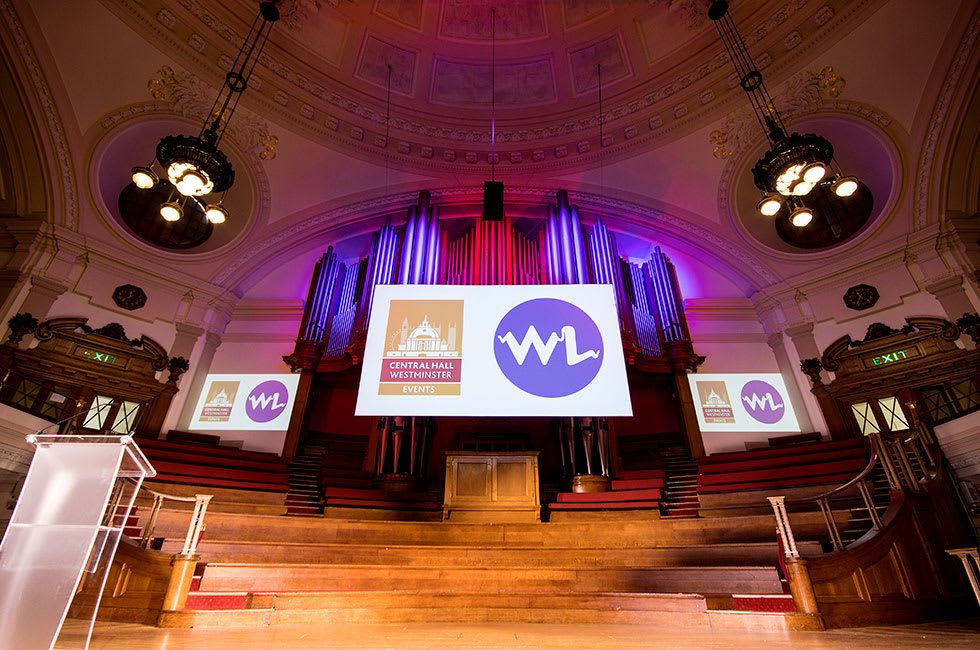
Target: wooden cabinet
[492,486]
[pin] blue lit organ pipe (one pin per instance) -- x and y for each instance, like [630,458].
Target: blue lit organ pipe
[565,244]
[345,314]
[420,248]
[565,240]
[316,313]
[552,242]
[381,266]
[668,297]
[578,247]
[606,267]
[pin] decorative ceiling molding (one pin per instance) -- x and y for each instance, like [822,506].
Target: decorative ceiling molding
[937,123]
[434,141]
[192,98]
[692,13]
[49,117]
[806,92]
[296,13]
[616,212]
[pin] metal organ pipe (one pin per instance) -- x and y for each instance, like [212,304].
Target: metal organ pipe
[578,247]
[668,296]
[317,310]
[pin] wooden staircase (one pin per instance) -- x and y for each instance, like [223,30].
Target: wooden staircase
[679,572]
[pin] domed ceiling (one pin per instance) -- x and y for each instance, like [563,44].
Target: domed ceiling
[325,69]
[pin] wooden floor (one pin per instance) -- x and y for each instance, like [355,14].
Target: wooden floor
[112,636]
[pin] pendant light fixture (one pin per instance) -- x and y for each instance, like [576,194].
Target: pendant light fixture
[795,164]
[493,191]
[194,165]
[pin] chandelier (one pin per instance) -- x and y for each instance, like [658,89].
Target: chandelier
[194,166]
[795,164]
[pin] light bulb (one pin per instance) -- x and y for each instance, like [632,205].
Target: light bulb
[171,211]
[215,213]
[769,205]
[190,183]
[801,217]
[802,188]
[786,179]
[814,172]
[144,178]
[845,186]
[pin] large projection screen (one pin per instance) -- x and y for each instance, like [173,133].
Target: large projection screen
[742,402]
[243,402]
[494,351]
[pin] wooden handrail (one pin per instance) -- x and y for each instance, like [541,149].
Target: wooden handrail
[863,474]
[194,528]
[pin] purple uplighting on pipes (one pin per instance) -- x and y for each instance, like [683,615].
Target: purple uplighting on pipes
[432,250]
[421,245]
[408,244]
[578,246]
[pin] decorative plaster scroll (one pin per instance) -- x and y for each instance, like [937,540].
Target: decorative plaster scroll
[49,112]
[296,13]
[627,213]
[937,121]
[692,13]
[807,91]
[192,98]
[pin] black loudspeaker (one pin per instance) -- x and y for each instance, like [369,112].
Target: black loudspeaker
[493,200]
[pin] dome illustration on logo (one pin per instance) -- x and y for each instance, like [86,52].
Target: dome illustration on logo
[548,347]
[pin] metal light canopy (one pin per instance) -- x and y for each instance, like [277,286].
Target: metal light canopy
[795,163]
[194,165]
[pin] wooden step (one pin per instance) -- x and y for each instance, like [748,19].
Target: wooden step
[327,577]
[751,528]
[238,552]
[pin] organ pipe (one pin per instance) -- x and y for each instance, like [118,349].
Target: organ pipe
[668,297]
[316,312]
[565,244]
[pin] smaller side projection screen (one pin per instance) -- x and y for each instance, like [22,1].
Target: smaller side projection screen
[494,350]
[742,402]
[245,403]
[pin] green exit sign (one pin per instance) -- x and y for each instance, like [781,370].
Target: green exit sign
[101,357]
[891,357]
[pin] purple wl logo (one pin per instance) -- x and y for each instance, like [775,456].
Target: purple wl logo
[266,401]
[763,402]
[548,347]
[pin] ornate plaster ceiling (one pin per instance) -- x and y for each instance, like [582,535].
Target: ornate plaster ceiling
[664,71]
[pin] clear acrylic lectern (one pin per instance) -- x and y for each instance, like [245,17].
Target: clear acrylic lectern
[63,535]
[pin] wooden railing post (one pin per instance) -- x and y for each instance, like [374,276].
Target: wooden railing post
[184,563]
[797,573]
[972,568]
[179,586]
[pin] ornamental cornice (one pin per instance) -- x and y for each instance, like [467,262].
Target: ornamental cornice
[49,114]
[616,212]
[937,122]
[647,114]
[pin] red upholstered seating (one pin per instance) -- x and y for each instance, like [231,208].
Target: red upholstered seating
[792,466]
[633,490]
[192,463]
